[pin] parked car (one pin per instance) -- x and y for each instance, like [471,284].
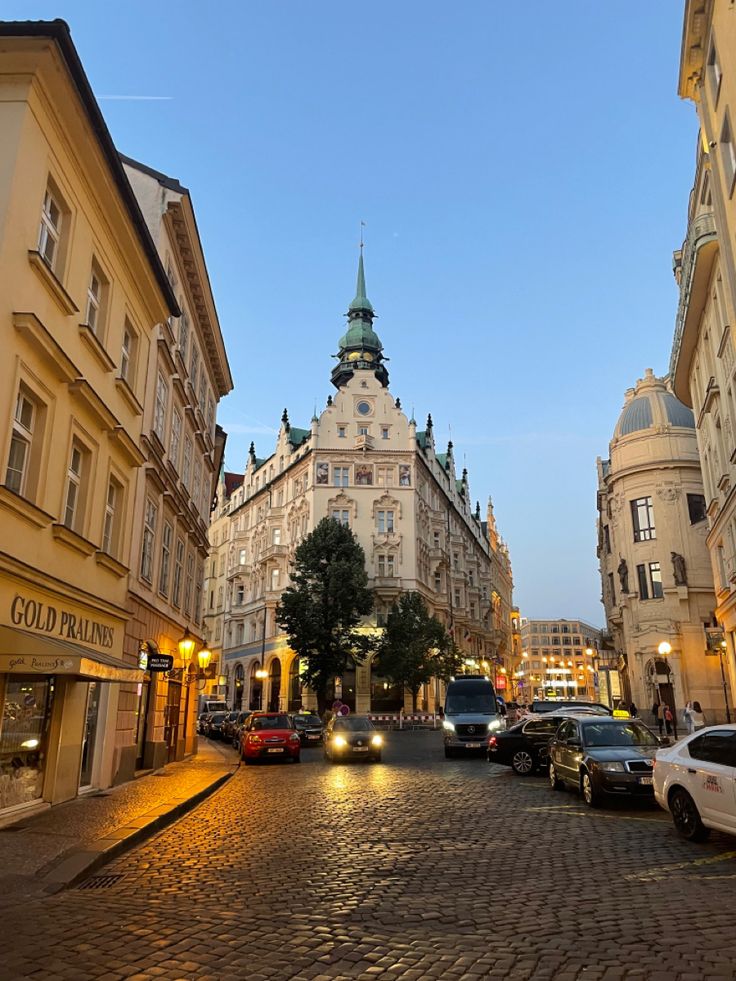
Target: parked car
[238,728]
[214,724]
[525,746]
[540,705]
[695,780]
[270,735]
[202,720]
[309,726]
[352,737]
[602,756]
[228,725]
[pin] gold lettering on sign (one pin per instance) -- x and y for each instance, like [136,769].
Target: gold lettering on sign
[45,618]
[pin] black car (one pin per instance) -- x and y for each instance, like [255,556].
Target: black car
[309,726]
[213,725]
[352,738]
[238,726]
[541,705]
[525,746]
[603,757]
[227,726]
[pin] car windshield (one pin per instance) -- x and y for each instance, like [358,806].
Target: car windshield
[617,734]
[470,698]
[306,720]
[272,722]
[218,716]
[352,725]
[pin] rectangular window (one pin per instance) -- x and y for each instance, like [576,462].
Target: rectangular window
[110,529]
[96,293]
[342,516]
[275,536]
[197,484]
[341,432]
[50,232]
[611,588]
[178,571]
[239,594]
[183,335]
[128,354]
[188,584]
[642,515]
[728,153]
[363,430]
[164,575]
[159,412]
[696,508]
[210,415]
[175,438]
[714,72]
[186,468]
[607,539]
[75,476]
[341,476]
[202,391]
[241,557]
[149,540]
[655,578]
[385,476]
[194,367]
[385,521]
[384,432]
[438,582]
[275,579]
[21,440]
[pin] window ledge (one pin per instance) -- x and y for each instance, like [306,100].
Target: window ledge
[52,283]
[68,537]
[128,446]
[111,564]
[24,508]
[129,395]
[96,347]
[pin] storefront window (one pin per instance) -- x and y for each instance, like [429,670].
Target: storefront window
[26,707]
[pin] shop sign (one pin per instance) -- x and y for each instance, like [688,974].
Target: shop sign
[155,662]
[57,622]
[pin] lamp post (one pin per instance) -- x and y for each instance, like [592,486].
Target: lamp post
[186,650]
[664,649]
[721,651]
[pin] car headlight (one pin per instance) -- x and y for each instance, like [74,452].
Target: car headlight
[448,725]
[376,740]
[496,724]
[612,767]
[340,742]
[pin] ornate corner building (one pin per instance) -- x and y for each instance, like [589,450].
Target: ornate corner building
[365,464]
[657,584]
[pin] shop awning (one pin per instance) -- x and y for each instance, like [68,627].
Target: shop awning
[22,652]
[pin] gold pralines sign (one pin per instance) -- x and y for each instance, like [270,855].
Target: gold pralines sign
[55,621]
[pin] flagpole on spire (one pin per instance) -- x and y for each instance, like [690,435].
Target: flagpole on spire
[362,226]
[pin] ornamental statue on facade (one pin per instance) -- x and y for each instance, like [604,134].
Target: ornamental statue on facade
[679,569]
[623,575]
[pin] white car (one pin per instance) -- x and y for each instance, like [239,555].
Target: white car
[695,780]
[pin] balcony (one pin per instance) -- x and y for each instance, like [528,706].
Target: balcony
[272,552]
[694,267]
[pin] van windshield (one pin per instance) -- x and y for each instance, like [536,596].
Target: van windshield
[470,697]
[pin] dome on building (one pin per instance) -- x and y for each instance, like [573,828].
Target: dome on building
[652,404]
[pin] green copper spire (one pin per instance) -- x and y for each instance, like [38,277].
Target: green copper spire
[361,301]
[360,346]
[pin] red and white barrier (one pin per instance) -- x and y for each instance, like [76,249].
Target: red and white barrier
[400,719]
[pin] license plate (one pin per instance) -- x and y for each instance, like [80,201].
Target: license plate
[275,750]
[646,780]
[360,749]
[312,737]
[473,745]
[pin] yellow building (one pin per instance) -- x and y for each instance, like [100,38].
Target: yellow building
[81,290]
[703,354]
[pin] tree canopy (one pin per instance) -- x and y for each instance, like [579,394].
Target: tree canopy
[324,604]
[415,647]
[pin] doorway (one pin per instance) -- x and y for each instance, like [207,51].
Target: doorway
[89,738]
[274,687]
[171,719]
[141,723]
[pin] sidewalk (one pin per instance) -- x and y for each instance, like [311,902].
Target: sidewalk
[58,847]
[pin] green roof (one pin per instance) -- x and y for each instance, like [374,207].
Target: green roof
[422,440]
[442,458]
[297,436]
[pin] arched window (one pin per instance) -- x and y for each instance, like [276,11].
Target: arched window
[238,687]
[274,685]
[295,686]
[256,688]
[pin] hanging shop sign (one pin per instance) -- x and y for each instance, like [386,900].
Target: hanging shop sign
[150,658]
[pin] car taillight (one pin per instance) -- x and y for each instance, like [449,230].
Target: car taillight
[493,741]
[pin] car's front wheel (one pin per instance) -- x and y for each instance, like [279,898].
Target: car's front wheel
[686,816]
[522,762]
[554,781]
[591,795]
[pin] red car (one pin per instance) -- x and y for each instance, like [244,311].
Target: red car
[270,735]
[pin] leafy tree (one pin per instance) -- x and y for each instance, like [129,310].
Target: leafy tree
[324,604]
[415,647]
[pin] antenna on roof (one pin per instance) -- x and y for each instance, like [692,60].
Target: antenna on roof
[362,226]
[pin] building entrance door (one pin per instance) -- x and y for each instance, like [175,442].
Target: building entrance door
[141,723]
[171,719]
[89,739]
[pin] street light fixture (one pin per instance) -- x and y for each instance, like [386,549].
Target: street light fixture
[721,651]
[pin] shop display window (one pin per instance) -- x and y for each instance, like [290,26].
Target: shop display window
[25,715]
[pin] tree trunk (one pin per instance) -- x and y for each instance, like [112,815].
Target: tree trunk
[414,696]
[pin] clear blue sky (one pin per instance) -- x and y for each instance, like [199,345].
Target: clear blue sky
[523,170]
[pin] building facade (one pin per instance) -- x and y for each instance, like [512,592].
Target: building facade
[657,583]
[362,462]
[559,659]
[77,270]
[703,362]
[183,376]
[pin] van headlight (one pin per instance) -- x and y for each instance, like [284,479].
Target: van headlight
[340,742]
[494,725]
[376,740]
[448,725]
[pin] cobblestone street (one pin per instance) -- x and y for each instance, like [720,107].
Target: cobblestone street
[415,868]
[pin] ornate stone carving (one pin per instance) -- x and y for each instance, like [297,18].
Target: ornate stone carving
[668,492]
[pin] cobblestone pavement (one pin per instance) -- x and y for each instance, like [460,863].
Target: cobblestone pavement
[414,868]
[35,842]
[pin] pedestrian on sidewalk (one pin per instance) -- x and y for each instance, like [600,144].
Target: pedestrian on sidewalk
[658,713]
[668,719]
[633,711]
[698,717]
[688,718]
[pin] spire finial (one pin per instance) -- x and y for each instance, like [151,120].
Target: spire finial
[362,226]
